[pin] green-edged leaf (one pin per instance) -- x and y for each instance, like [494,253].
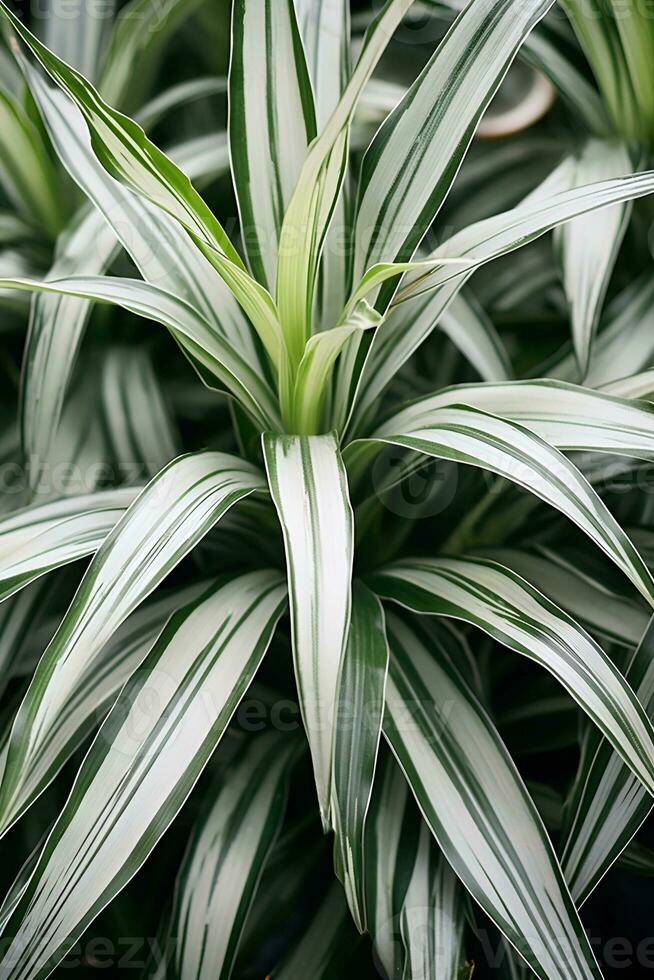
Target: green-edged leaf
[608,803]
[166,520]
[149,753]
[478,808]
[466,435]
[356,742]
[226,858]
[566,416]
[325,30]
[141,431]
[157,243]
[589,245]
[202,342]
[41,537]
[506,607]
[309,488]
[391,842]
[95,691]
[414,158]
[416,314]
[124,150]
[77,32]
[27,173]
[607,614]
[270,104]
[312,205]
[637,386]
[326,948]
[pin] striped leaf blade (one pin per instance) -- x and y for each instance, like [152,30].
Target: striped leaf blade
[416,314]
[416,154]
[39,538]
[506,607]
[166,520]
[608,804]
[356,742]
[150,756]
[226,857]
[95,690]
[477,807]
[270,100]
[78,33]
[589,245]
[568,417]
[308,484]
[466,435]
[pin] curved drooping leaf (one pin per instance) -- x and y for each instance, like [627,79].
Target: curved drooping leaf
[270,100]
[356,742]
[466,435]
[225,859]
[308,484]
[41,537]
[205,345]
[410,322]
[569,417]
[149,753]
[477,807]
[614,617]
[506,607]
[608,803]
[165,521]
[416,154]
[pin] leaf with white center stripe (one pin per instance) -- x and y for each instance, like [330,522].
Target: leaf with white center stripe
[391,842]
[95,690]
[308,484]
[466,435]
[141,431]
[123,149]
[477,807]
[413,899]
[469,328]
[416,313]
[608,803]
[270,99]
[636,386]
[589,245]
[314,199]
[325,30]
[226,858]
[568,417]
[206,347]
[356,743]
[38,538]
[506,607]
[149,753]
[412,162]
[613,617]
[160,248]
[163,524]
